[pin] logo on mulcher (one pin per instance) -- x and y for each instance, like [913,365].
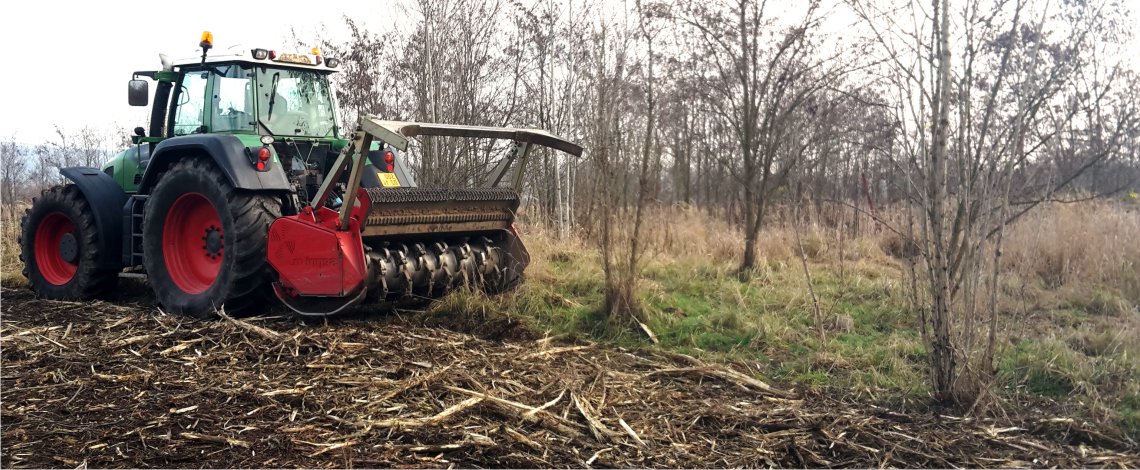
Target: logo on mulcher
[318,262]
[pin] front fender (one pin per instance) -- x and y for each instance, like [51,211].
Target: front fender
[106,200]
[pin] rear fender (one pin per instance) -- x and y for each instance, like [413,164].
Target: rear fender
[226,151]
[106,200]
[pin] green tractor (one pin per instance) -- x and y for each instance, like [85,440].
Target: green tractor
[244,189]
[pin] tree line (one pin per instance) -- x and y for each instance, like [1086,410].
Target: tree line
[28,169]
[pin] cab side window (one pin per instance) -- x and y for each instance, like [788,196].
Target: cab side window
[191,102]
[233,100]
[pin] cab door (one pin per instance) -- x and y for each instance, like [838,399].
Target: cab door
[189,115]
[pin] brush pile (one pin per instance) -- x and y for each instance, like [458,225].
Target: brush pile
[103,385]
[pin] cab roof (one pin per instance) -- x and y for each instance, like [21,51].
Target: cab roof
[290,60]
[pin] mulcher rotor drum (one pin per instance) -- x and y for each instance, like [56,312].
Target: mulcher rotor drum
[424,242]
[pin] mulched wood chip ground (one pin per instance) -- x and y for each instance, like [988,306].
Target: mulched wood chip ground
[104,385]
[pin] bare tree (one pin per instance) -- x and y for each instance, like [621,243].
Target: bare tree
[980,126]
[759,83]
[13,170]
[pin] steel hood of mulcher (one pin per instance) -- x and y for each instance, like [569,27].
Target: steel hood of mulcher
[321,270]
[396,134]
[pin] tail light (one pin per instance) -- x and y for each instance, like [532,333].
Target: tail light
[262,158]
[390,160]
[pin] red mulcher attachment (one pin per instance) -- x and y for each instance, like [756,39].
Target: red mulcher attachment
[399,242]
[317,261]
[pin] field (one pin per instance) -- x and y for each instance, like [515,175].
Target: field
[742,375]
[1068,332]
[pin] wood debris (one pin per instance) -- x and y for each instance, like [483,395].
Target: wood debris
[101,385]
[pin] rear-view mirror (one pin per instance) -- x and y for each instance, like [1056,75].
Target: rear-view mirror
[138,92]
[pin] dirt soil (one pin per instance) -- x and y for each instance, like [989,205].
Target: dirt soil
[105,385]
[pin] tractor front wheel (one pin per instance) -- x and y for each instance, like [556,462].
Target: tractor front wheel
[204,241]
[59,244]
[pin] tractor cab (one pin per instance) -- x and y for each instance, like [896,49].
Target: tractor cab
[252,98]
[281,102]
[259,92]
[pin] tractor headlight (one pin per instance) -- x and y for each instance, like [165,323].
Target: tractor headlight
[331,63]
[260,54]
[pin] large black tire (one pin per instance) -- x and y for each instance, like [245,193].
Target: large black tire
[61,226]
[194,266]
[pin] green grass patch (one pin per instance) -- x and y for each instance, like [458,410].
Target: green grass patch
[1097,301]
[1129,410]
[1048,367]
[706,309]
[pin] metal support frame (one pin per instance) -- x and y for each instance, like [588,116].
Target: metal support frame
[357,165]
[351,157]
[521,152]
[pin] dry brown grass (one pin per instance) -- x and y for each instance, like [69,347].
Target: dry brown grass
[692,234]
[10,265]
[1081,248]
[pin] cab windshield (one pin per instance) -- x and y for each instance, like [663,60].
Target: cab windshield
[294,102]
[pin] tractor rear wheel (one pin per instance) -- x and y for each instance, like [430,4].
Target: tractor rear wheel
[204,241]
[59,244]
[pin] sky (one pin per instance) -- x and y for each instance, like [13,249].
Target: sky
[68,62]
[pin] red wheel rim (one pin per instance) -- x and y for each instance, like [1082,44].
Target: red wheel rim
[193,244]
[49,258]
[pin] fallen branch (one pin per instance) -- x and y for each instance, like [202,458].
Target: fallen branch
[328,447]
[629,430]
[648,332]
[598,454]
[520,411]
[179,347]
[471,440]
[287,391]
[740,380]
[428,421]
[436,447]
[215,439]
[552,352]
[520,437]
[548,404]
[412,382]
[250,327]
[601,432]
